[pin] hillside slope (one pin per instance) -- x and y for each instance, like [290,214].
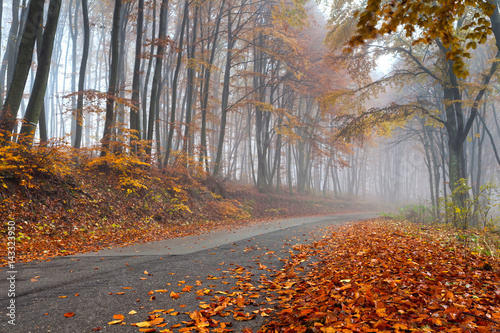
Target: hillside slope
[60,206]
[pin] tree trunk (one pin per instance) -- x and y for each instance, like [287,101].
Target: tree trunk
[155,95]
[81,78]
[225,96]
[187,143]
[43,122]
[12,43]
[113,78]
[42,74]
[21,70]
[171,127]
[135,120]
[205,94]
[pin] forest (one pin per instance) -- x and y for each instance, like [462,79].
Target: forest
[387,100]
[132,123]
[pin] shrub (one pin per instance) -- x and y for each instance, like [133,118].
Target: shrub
[474,211]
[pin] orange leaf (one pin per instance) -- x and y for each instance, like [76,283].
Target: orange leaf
[157,321]
[240,301]
[69,314]
[187,289]
[119,316]
[174,295]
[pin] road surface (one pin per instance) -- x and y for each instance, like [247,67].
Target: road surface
[96,286]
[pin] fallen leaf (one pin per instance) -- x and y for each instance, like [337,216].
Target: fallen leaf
[142,324]
[119,317]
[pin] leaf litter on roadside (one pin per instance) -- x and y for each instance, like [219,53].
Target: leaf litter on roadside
[373,276]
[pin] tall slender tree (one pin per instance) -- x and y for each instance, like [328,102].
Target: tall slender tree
[113,77]
[135,120]
[21,69]
[83,70]
[36,100]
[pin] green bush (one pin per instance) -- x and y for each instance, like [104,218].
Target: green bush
[472,210]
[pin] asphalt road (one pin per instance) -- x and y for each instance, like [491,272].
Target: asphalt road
[96,286]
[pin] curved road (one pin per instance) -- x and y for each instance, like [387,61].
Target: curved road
[96,286]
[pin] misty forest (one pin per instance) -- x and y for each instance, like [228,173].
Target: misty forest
[284,95]
[131,121]
[393,101]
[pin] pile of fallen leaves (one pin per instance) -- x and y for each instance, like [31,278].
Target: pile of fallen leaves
[385,276]
[373,276]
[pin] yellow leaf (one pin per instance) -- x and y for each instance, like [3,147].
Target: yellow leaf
[400,326]
[328,330]
[142,324]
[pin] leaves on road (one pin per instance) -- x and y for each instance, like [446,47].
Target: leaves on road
[387,276]
[373,276]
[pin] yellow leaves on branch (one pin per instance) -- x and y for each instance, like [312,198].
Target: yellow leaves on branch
[428,21]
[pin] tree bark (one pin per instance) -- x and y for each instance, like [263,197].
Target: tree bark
[81,78]
[135,120]
[21,69]
[36,100]
[113,78]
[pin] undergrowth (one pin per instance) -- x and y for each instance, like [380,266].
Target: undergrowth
[470,224]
